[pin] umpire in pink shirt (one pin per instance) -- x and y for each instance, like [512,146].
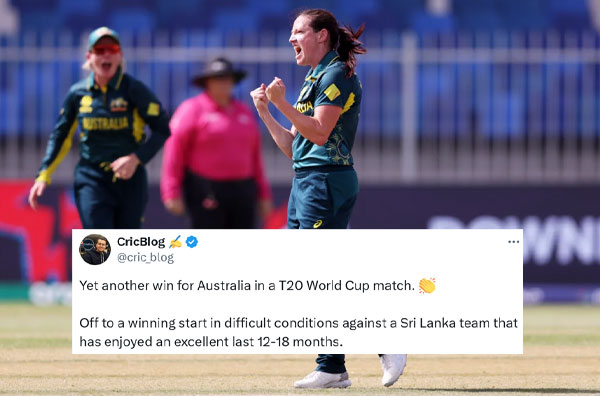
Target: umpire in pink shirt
[212,165]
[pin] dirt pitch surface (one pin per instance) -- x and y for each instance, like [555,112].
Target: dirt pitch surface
[562,357]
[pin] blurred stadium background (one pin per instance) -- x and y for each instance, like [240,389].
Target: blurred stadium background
[476,114]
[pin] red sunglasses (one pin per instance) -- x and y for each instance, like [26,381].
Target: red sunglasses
[108,48]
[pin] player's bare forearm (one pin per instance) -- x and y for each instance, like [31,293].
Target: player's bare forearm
[316,129]
[283,137]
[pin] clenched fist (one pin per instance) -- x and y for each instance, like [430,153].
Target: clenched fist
[276,91]
[259,97]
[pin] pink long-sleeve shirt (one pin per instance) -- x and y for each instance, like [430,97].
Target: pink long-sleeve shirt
[216,143]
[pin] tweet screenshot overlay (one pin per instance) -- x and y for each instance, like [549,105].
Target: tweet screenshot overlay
[297,291]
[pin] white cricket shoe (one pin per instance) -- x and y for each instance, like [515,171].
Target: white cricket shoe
[393,366]
[320,379]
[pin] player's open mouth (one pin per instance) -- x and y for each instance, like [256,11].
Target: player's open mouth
[298,51]
[106,66]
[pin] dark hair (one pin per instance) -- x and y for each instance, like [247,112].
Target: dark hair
[344,40]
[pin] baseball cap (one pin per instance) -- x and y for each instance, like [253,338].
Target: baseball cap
[102,32]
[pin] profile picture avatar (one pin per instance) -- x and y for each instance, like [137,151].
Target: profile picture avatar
[94,249]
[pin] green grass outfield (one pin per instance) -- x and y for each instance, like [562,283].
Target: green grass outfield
[562,357]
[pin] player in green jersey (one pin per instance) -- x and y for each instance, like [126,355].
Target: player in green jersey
[324,123]
[110,108]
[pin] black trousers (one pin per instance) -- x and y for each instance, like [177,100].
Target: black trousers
[333,364]
[105,202]
[220,204]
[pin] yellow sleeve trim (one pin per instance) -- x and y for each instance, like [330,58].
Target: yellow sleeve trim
[45,175]
[332,92]
[138,126]
[349,103]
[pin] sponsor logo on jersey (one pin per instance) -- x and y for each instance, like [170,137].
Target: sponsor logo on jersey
[118,104]
[86,104]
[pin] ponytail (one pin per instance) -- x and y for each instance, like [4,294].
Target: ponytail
[344,40]
[349,47]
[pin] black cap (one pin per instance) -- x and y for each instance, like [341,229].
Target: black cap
[218,67]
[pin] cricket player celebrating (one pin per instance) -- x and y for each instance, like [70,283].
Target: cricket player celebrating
[324,122]
[111,109]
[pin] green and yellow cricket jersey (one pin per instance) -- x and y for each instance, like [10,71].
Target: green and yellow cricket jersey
[327,85]
[111,123]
